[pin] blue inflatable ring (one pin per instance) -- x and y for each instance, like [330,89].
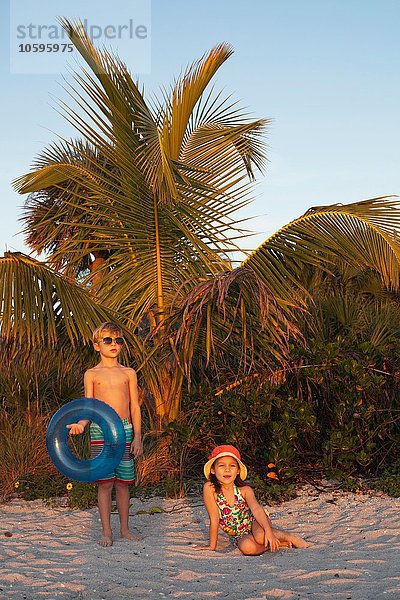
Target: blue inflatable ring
[114,439]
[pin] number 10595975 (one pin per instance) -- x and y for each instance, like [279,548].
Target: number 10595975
[45,48]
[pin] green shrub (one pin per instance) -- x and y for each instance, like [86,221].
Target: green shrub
[390,484]
[40,487]
[82,495]
[270,493]
[389,480]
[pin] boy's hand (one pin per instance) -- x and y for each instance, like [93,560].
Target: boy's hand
[75,428]
[271,541]
[136,447]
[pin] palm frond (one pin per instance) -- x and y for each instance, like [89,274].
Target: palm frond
[37,304]
[363,233]
[234,314]
[186,93]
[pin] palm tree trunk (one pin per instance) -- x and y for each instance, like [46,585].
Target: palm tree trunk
[167,392]
[160,295]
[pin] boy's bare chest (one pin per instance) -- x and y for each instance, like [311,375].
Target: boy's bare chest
[111,381]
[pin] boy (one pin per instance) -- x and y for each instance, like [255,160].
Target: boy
[116,385]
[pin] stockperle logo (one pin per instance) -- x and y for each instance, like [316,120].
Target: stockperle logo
[39,43]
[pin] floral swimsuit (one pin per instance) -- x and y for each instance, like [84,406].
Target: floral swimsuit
[235,520]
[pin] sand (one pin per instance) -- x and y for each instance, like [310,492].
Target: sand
[53,554]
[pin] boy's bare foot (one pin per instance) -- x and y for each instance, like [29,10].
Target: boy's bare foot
[105,540]
[134,537]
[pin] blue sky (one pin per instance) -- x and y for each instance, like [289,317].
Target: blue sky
[325,71]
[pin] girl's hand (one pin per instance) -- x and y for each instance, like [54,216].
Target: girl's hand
[204,548]
[271,541]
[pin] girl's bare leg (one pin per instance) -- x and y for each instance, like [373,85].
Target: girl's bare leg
[248,546]
[122,497]
[104,503]
[289,540]
[253,543]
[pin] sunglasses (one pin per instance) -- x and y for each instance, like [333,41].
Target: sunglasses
[107,341]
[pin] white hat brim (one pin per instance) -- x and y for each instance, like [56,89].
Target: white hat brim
[209,464]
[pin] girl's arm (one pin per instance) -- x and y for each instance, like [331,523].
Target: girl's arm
[262,518]
[213,513]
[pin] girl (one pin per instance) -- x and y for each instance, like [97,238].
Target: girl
[231,504]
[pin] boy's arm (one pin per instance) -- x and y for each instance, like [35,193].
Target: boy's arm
[213,513]
[136,446]
[262,518]
[76,428]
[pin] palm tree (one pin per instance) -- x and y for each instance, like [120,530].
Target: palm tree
[150,191]
[146,202]
[51,214]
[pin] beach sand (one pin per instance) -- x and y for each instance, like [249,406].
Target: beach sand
[53,554]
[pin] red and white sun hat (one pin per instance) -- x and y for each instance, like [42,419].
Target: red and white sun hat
[225,450]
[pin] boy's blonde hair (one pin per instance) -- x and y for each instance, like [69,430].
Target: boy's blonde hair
[107,326]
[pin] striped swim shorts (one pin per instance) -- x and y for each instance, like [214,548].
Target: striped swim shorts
[125,471]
